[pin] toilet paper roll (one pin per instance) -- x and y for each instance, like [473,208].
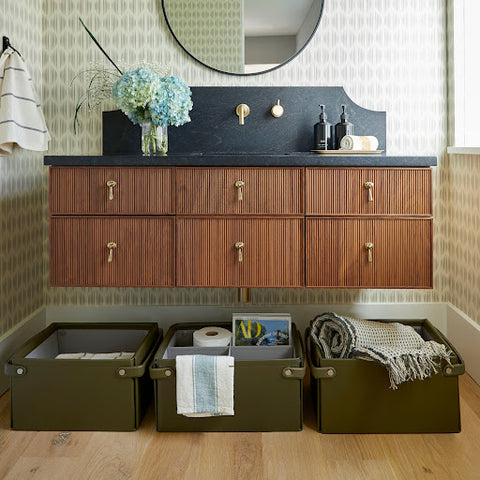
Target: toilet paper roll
[211,337]
[353,142]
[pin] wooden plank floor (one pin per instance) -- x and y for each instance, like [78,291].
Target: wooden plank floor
[149,455]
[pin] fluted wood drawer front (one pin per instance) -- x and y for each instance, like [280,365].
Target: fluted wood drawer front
[111,190]
[338,251]
[209,253]
[80,250]
[269,191]
[368,191]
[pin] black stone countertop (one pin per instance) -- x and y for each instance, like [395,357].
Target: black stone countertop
[299,159]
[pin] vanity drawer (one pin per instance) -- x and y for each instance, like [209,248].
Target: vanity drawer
[337,252]
[263,191]
[134,191]
[368,191]
[80,251]
[209,253]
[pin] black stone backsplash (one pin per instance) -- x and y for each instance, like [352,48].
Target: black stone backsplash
[215,126]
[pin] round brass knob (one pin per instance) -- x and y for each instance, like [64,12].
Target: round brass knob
[277,110]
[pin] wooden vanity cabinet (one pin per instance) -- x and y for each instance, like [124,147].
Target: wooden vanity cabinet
[239,191]
[369,227]
[112,226]
[320,227]
[219,246]
[369,252]
[239,252]
[91,251]
[111,191]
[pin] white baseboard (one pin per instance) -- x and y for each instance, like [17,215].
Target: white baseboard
[301,314]
[464,334]
[12,340]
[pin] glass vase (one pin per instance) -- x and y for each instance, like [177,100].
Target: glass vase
[154,139]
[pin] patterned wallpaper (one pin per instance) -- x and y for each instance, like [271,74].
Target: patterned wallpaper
[464,251]
[462,188]
[386,57]
[212,30]
[21,186]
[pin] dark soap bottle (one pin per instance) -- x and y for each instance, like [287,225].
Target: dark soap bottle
[323,132]
[342,128]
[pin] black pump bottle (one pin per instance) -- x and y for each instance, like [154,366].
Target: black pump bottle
[342,128]
[323,132]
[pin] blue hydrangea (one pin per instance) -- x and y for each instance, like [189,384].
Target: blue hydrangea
[143,95]
[172,103]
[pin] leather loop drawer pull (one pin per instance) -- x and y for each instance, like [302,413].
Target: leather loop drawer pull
[111,247]
[239,246]
[240,184]
[369,186]
[111,184]
[369,247]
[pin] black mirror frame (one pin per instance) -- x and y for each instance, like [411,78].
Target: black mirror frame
[243,74]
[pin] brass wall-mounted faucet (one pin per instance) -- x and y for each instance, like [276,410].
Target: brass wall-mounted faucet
[242,112]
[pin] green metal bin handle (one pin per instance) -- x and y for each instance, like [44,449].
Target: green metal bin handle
[457,368]
[139,370]
[161,373]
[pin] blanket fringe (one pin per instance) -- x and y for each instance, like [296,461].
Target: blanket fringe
[410,367]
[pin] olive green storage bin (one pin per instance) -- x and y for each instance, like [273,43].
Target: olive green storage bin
[268,384]
[354,396]
[48,393]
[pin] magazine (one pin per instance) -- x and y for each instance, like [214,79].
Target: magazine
[261,329]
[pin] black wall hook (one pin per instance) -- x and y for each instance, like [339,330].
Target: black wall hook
[6,44]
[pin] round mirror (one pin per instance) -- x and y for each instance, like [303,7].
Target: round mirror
[243,37]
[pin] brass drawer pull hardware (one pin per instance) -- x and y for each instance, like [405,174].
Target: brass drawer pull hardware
[369,247]
[111,184]
[111,247]
[240,184]
[369,186]
[239,246]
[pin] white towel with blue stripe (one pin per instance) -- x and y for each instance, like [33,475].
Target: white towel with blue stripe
[21,118]
[204,385]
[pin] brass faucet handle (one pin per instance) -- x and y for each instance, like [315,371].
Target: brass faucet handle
[277,110]
[242,111]
[369,247]
[111,247]
[111,184]
[239,246]
[240,184]
[369,186]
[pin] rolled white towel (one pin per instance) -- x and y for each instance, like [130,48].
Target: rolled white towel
[355,142]
[70,356]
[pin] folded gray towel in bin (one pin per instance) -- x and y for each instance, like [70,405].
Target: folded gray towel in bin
[398,347]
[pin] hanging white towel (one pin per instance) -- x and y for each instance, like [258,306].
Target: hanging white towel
[204,385]
[21,118]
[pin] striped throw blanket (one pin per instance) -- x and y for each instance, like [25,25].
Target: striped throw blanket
[204,385]
[399,348]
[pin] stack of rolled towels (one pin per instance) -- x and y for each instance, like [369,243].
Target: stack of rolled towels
[356,142]
[95,356]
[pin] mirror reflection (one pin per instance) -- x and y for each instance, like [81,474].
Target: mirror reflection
[243,36]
